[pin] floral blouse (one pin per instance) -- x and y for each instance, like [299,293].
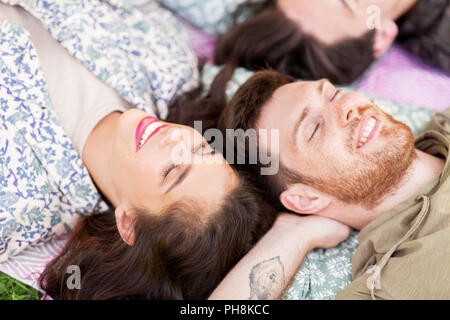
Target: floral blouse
[143,54]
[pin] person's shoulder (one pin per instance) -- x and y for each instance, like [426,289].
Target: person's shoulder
[360,289]
[440,123]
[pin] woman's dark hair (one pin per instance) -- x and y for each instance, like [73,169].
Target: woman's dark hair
[176,254]
[268,38]
[196,105]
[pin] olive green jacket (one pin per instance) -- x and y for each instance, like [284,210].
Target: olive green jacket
[405,253]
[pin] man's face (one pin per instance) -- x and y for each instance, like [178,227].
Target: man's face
[331,21]
[343,144]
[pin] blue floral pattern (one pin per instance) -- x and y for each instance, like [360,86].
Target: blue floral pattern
[44,186]
[144,54]
[212,16]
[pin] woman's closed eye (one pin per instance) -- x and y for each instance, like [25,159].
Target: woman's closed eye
[169,170]
[201,149]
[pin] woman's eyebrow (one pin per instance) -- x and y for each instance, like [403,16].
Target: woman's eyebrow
[180,178]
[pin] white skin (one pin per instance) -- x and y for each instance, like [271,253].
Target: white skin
[284,246]
[292,237]
[325,145]
[133,179]
[330,21]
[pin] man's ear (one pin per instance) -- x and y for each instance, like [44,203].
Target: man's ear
[125,224]
[304,200]
[384,37]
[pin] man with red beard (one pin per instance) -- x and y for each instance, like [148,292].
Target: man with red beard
[342,158]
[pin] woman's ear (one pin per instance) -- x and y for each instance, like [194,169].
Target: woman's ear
[125,224]
[384,37]
[304,200]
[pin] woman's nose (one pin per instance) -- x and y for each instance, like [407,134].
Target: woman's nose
[177,143]
[174,137]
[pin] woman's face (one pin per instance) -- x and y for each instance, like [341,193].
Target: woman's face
[156,164]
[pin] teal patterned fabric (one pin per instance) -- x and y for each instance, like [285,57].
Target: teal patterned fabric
[325,272]
[212,16]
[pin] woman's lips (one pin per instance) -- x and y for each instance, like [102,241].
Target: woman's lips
[141,128]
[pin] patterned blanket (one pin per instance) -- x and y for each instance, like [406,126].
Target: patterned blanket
[324,272]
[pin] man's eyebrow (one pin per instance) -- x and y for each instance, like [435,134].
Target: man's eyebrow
[305,112]
[180,178]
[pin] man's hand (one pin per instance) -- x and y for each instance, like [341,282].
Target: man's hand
[315,231]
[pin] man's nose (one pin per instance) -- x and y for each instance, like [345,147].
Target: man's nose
[346,113]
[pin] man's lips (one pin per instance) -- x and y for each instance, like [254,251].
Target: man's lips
[141,129]
[367,130]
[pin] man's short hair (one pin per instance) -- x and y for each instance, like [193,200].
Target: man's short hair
[243,112]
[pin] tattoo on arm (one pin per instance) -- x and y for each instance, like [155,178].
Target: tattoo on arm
[266,278]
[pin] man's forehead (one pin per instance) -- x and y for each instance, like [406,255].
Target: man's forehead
[293,90]
[286,89]
[276,118]
[276,112]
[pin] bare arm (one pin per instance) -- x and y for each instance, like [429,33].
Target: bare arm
[267,270]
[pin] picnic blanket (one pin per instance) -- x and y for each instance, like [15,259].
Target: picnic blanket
[396,76]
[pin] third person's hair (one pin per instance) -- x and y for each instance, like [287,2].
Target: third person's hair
[268,38]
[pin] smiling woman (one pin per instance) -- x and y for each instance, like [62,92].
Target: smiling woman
[143,224]
[169,165]
[174,232]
